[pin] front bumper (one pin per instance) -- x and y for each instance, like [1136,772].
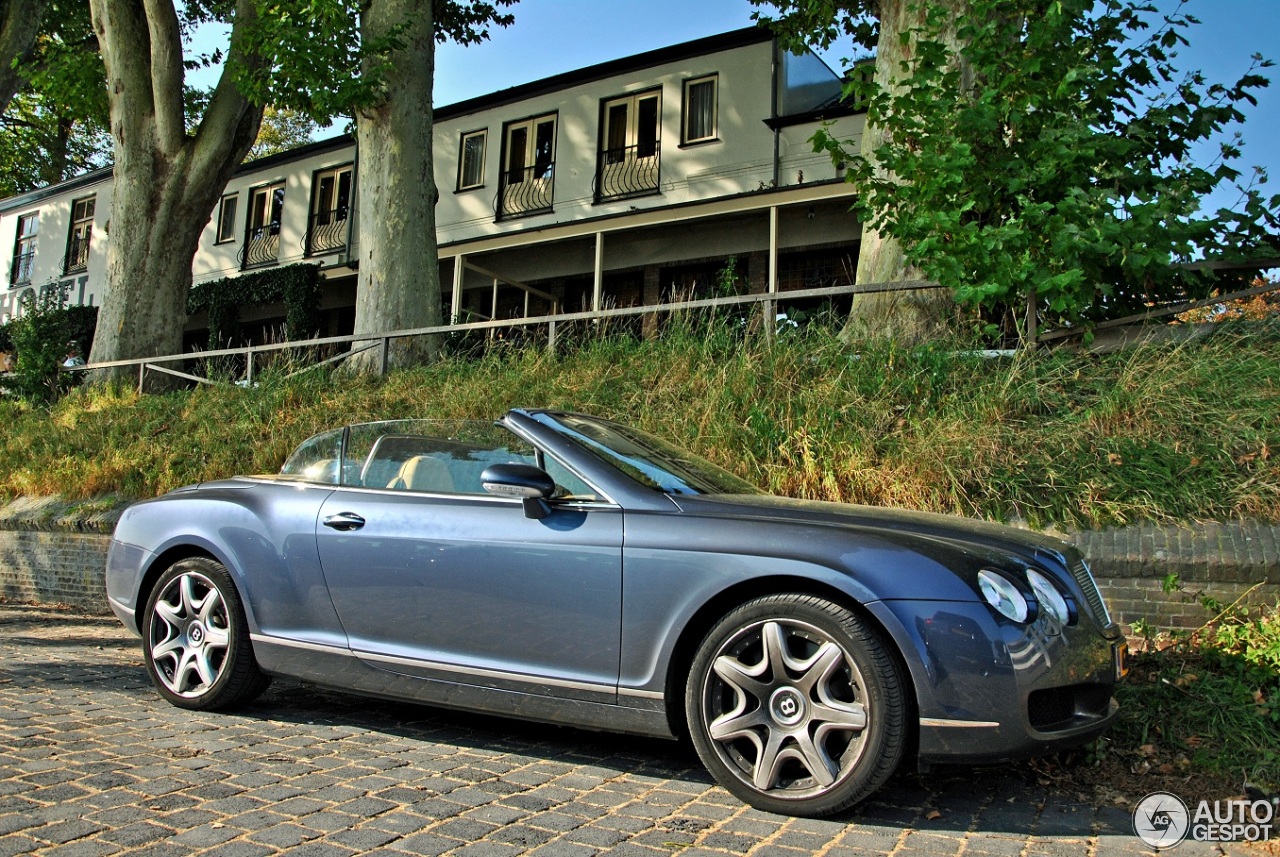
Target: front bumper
[989,689]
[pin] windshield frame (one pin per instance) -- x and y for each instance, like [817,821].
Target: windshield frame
[644,459]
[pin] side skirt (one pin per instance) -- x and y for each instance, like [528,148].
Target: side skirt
[342,670]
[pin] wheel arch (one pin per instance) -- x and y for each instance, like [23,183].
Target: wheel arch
[161,563]
[717,607]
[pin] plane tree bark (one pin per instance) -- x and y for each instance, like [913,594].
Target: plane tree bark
[906,315]
[167,179]
[398,285]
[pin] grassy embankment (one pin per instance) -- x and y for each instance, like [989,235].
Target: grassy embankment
[1169,433]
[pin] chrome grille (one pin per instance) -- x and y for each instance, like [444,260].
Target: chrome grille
[1084,577]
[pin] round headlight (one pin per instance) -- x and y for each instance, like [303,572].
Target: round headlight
[1050,598]
[1003,595]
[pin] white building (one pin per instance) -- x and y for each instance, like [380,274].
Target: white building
[620,184]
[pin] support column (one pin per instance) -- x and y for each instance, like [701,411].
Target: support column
[770,308]
[597,287]
[459,268]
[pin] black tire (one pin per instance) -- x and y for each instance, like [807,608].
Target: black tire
[195,639]
[796,706]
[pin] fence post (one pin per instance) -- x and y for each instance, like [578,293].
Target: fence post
[142,374]
[383,348]
[248,373]
[551,337]
[1031,332]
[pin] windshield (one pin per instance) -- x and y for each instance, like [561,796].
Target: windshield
[649,460]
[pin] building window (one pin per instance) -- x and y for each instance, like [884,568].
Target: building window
[24,249]
[77,259]
[700,109]
[471,163]
[528,166]
[227,218]
[330,210]
[262,241]
[630,145]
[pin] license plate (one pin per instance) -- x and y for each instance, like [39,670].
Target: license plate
[1120,657]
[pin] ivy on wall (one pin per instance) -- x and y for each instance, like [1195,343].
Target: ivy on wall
[297,286]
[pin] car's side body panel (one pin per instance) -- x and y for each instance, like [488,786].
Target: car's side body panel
[470,588]
[262,531]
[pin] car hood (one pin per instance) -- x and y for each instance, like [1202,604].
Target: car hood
[978,536]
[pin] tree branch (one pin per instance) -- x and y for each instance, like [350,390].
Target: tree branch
[19,24]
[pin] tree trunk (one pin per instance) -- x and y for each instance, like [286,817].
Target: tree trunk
[166,181]
[909,315]
[399,281]
[19,24]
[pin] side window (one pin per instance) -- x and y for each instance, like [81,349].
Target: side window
[569,486]
[24,249]
[227,218]
[471,160]
[81,235]
[316,459]
[701,120]
[430,456]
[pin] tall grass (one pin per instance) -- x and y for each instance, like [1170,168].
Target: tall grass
[1170,432]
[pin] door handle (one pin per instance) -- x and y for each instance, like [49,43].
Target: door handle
[344,521]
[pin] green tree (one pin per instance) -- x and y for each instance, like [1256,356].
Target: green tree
[53,124]
[282,129]
[20,22]
[1043,155]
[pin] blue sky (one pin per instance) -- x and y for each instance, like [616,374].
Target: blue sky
[554,36]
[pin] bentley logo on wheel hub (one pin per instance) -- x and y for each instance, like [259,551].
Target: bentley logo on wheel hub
[787,706]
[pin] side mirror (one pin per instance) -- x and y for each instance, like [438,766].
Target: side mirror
[530,484]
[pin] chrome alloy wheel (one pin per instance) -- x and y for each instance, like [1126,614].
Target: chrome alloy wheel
[786,709]
[189,635]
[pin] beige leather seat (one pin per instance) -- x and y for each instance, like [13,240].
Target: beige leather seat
[423,473]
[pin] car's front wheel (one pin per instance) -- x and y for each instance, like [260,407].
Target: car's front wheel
[796,706]
[195,639]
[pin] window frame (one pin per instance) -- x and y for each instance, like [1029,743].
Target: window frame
[334,213]
[483,135]
[273,227]
[75,237]
[686,115]
[221,234]
[533,168]
[24,245]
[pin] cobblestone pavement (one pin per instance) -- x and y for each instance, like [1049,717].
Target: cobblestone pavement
[93,762]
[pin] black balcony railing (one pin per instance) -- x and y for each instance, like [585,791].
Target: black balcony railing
[525,191]
[77,259]
[262,246]
[20,270]
[627,171]
[327,232]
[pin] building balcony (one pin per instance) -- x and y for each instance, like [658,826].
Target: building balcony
[77,259]
[20,270]
[327,232]
[525,191]
[262,247]
[627,171]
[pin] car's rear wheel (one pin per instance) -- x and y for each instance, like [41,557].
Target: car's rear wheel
[195,639]
[796,706]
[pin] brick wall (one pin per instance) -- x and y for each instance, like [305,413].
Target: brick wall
[55,552]
[54,568]
[1223,560]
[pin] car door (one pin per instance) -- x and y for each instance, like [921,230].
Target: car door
[465,588]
